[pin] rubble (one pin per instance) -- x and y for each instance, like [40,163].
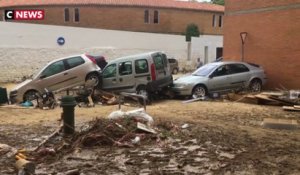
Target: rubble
[280,98]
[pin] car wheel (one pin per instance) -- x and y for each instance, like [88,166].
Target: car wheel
[199,91]
[93,77]
[255,85]
[175,71]
[30,95]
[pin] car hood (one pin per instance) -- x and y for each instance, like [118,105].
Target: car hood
[18,86]
[189,79]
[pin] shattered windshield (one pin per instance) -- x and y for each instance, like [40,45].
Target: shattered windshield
[204,70]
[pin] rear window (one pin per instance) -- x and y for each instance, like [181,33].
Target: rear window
[75,61]
[141,66]
[238,68]
[158,61]
[165,60]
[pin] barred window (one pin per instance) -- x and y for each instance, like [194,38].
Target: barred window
[156,17]
[67,15]
[76,15]
[146,17]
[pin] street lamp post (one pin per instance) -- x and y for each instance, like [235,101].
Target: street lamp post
[243,38]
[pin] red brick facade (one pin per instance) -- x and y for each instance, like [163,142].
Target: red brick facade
[273,39]
[172,18]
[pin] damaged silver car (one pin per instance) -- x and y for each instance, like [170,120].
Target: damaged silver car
[220,77]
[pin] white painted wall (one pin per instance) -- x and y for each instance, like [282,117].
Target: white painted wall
[25,47]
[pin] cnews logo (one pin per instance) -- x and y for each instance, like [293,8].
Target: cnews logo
[24,14]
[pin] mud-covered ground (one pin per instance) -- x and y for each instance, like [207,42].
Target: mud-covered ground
[221,138]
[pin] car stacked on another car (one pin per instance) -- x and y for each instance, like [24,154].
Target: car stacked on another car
[60,74]
[220,77]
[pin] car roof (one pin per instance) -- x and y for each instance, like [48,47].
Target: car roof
[146,54]
[227,62]
[62,58]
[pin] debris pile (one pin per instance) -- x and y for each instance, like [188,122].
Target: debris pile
[288,99]
[122,129]
[119,132]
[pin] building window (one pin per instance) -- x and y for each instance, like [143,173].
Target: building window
[220,21]
[214,21]
[146,17]
[67,15]
[76,15]
[156,17]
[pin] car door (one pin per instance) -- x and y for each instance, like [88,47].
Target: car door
[76,71]
[159,66]
[220,79]
[162,70]
[109,77]
[142,73]
[125,76]
[240,75]
[53,77]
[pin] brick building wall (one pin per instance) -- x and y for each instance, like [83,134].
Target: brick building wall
[273,39]
[131,18]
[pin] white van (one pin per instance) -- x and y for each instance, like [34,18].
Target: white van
[142,73]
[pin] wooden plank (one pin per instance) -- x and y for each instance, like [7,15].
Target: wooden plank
[265,97]
[16,107]
[283,101]
[290,108]
[272,93]
[193,100]
[297,106]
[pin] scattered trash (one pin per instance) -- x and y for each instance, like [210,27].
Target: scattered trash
[136,140]
[7,150]
[72,172]
[46,151]
[294,94]
[24,166]
[196,99]
[273,98]
[143,127]
[138,114]
[291,108]
[27,104]
[184,126]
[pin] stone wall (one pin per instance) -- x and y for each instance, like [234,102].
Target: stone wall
[24,48]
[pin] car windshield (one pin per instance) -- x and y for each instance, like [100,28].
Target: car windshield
[204,70]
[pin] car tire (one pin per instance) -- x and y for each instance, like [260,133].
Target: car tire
[30,95]
[93,76]
[175,71]
[199,91]
[255,85]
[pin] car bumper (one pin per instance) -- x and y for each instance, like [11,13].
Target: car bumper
[182,91]
[14,97]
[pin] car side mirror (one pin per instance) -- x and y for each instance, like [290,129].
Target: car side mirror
[211,76]
[43,76]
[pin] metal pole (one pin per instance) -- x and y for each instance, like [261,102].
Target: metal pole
[242,51]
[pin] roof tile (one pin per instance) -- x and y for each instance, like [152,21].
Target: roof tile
[143,3]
